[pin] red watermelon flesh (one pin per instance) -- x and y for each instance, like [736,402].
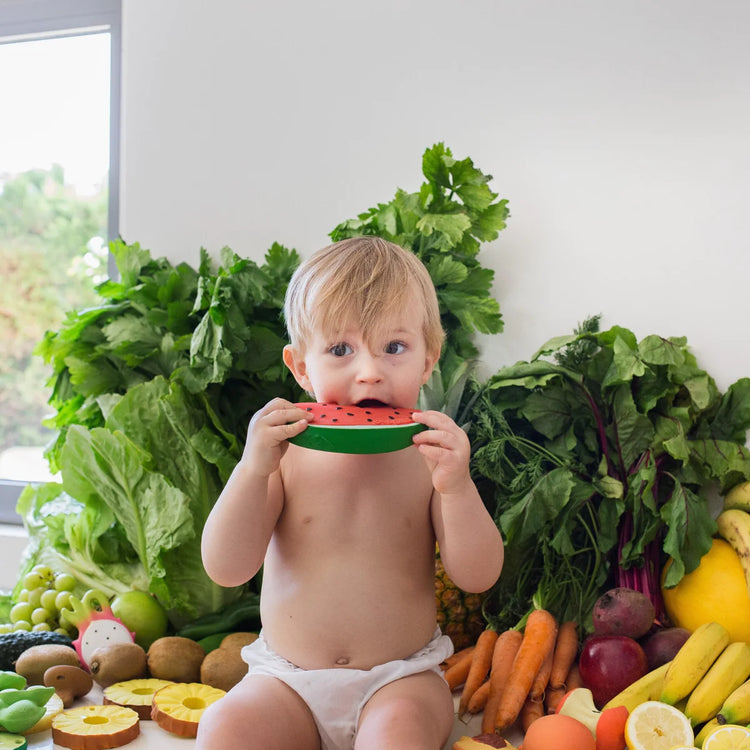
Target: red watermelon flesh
[333,415]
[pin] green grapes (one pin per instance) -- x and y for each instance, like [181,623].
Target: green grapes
[38,604]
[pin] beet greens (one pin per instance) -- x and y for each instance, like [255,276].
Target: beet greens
[599,455]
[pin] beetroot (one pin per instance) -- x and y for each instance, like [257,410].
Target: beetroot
[662,645]
[623,611]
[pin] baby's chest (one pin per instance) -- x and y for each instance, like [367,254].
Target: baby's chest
[348,497]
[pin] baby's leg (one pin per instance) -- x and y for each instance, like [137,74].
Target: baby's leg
[260,713]
[413,713]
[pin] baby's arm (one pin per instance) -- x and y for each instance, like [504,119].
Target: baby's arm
[239,527]
[471,547]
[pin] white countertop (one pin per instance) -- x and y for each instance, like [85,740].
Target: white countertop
[155,738]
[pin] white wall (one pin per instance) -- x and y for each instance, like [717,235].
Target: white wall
[619,132]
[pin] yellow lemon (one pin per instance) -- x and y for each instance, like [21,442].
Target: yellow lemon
[657,726]
[728,737]
[715,591]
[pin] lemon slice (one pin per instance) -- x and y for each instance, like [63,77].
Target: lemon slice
[657,726]
[728,737]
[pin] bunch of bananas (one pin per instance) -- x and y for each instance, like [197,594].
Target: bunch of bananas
[734,524]
[708,680]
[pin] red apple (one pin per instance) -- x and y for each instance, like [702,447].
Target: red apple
[609,663]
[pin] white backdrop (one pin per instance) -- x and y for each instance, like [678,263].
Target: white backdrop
[619,133]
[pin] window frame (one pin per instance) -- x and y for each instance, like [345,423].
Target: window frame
[29,20]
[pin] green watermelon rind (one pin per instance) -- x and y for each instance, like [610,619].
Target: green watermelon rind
[359,439]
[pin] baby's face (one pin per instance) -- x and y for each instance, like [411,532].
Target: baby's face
[347,369]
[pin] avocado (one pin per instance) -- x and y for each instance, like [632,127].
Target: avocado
[12,645]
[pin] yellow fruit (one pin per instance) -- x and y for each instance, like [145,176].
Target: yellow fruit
[716,591]
[728,737]
[657,726]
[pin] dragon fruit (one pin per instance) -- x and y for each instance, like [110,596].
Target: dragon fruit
[96,623]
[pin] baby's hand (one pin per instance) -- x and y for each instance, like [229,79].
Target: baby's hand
[268,433]
[446,449]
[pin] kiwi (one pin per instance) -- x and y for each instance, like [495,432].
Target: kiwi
[175,658]
[36,660]
[224,667]
[117,662]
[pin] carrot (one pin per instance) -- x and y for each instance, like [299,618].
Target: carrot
[478,701]
[456,674]
[539,638]
[552,698]
[531,710]
[456,656]
[481,662]
[573,680]
[566,650]
[539,685]
[506,648]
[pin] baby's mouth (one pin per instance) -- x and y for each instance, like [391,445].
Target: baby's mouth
[370,402]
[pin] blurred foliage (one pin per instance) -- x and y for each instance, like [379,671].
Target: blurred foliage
[52,253]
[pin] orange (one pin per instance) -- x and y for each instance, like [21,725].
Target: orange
[716,591]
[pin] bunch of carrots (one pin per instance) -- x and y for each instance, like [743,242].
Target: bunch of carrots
[517,675]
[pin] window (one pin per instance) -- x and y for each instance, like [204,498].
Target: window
[59,156]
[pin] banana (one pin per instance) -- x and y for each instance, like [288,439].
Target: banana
[648,688]
[734,526]
[738,497]
[727,673]
[693,660]
[708,728]
[736,707]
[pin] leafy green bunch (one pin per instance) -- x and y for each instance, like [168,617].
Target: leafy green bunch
[600,453]
[153,390]
[444,224]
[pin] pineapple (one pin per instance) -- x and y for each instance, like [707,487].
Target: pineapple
[95,727]
[136,694]
[459,614]
[178,708]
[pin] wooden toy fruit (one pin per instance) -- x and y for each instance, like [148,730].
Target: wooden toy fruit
[357,429]
[97,625]
[135,694]
[178,708]
[95,727]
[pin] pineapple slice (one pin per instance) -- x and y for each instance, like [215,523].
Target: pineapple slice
[95,727]
[178,708]
[135,694]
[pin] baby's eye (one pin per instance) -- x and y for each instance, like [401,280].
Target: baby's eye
[340,350]
[394,347]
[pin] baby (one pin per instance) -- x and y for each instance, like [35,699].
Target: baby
[349,652]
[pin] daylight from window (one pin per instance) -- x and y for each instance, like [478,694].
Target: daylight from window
[54,160]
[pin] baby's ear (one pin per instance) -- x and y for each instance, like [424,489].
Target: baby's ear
[295,361]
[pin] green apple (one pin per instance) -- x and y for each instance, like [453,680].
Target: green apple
[142,614]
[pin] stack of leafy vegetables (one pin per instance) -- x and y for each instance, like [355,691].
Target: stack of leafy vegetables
[153,388]
[444,224]
[600,453]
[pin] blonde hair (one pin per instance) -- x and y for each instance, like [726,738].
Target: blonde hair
[363,279]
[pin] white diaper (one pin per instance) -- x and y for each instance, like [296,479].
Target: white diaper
[337,695]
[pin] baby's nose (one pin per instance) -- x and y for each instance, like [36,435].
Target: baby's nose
[369,370]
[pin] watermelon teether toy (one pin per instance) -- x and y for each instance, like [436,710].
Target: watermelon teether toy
[357,429]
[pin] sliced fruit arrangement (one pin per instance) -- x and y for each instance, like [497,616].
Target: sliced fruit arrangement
[95,727]
[178,708]
[135,694]
[357,429]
